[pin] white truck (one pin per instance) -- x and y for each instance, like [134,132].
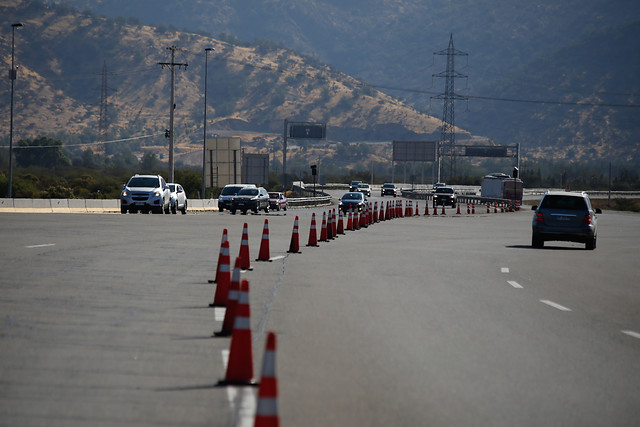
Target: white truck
[501,186]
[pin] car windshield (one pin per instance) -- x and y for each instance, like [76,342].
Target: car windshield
[444,190]
[570,203]
[139,181]
[388,186]
[274,195]
[248,192]
[352,196]
[227,191]
[363,185]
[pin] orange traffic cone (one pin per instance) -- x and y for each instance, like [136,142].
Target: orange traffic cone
[340,222]
[488,207]
[240,365]
[323,230]
[245,263]
[443,212]
[435,208]
[458,211]
[263,255]
[232,302]
[473,208]
[224,277]
[330,226]
[335,223]
[417,209]
[267,410]
[313,234]
[350,220]
[294,246]
[468,209]
[224,239]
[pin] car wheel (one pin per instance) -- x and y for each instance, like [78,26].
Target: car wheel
[184,208]
[591,244]
[220,209]
[123,210]
[537,242]
[174,208]
[233,211]
[285,208]
[278,208]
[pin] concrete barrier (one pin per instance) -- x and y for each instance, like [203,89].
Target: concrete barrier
[113,205]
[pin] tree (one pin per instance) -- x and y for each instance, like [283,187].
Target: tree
[42,151]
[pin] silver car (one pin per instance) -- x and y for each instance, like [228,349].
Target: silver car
[145,193]
[178,198]
[565,216]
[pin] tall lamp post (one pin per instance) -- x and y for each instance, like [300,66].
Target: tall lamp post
[13,73]
[204,140]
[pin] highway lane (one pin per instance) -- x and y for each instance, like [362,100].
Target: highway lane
[414,321]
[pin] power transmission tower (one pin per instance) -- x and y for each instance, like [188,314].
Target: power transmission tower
[448,134]
[172,105]
[103,121]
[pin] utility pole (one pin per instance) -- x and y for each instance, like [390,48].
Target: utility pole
[172,105]
[448,133]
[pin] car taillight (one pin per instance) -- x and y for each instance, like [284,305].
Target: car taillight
[539,217]
[587,219]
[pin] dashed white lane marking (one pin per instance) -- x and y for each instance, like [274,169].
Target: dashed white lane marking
[242,400]
[555,305]
[632,334]
[276,257]
[514,284]
[218,313]
[504,270]
[40,246]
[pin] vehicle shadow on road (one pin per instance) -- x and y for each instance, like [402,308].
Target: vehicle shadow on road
[546,247]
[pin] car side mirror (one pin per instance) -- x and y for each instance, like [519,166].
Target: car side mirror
[598,210]
[534,207]
[123,185]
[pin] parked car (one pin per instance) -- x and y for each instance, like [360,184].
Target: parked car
[445,196]
[353,200]
[178,198]
[145,193]
[388,189]
[278,201]
[354,185]
[365,189]
[229,192]
[565,216]
[250,198]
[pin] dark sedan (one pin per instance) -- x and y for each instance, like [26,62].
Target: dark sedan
[253,199]
[352,200]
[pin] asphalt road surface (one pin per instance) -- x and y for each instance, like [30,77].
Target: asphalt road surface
[447,320]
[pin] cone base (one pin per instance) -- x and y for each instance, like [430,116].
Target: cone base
[222,334]
[250,383]
[217,304]
[264,260]
[212,281]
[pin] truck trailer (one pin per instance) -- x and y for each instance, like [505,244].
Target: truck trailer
[501,186]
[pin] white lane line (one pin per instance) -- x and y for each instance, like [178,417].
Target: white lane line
[218,313]
[40,246]
[277,257]
[504,270]
[555,305]
[242,400]
[514,284]
[632,334]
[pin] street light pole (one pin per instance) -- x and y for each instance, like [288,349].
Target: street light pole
[12,76]
[204,141]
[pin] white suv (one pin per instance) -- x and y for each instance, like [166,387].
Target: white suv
[145,193]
